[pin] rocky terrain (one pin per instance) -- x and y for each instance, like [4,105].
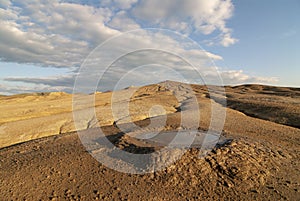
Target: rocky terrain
[257,157]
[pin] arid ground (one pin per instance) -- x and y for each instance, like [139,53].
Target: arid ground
[257,158]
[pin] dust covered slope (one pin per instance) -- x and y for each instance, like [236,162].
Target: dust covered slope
[59,168]
[259,161]
[277,104]
[31,116]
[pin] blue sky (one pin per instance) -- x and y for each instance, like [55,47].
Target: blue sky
[44,43]
[268,33]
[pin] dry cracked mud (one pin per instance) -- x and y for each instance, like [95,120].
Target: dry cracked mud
[257,158]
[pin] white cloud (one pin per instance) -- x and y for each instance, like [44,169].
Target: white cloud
[139,49]
[62,33]
[4,3]
[124,4]
[66,81]
[122,22]
[51,33]
[186,16]
[235,77]
[118,4]
[17,89]
[226,40]
[142,75]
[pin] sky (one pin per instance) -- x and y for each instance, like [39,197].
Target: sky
[45,45]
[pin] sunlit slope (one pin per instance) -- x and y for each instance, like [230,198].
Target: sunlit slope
[30,116]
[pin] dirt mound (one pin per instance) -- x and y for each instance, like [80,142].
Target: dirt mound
[59,168]
[277,104]
[259,162]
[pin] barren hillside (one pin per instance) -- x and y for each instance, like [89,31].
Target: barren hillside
[257,157]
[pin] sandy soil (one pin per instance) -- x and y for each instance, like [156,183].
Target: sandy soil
[277,104]
[259,161]
[32,116]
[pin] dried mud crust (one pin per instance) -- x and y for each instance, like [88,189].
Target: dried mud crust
[277,104]
[59,168]
[261,163]
[32,116]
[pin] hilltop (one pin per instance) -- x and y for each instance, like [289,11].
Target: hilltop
[257,156]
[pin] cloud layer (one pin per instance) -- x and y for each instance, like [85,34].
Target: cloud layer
[62,33]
